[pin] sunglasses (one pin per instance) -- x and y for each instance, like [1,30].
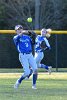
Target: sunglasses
[20,28]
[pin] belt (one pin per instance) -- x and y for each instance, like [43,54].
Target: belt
[39,51]
[25,53]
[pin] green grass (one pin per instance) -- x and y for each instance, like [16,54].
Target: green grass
[19,70]
[47,89]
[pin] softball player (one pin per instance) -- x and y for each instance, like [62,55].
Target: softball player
[24,46]
[39,55]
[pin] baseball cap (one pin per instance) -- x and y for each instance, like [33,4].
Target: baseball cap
[18,26]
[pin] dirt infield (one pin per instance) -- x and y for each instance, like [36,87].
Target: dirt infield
[54,75]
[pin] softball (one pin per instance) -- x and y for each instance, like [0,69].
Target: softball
[29,19]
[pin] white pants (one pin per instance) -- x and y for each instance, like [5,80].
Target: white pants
[38,57]
[27,60]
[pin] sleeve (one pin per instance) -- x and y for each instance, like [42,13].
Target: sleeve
[16,39]
[47,43]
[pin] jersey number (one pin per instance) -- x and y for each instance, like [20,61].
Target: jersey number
[26,44]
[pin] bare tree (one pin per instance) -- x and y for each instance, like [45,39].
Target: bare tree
[49,12]
[17,12]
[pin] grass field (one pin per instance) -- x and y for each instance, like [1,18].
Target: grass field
[49,87]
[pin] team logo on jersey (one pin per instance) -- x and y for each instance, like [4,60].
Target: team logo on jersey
[23,40]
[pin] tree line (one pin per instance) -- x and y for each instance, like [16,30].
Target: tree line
[52,14]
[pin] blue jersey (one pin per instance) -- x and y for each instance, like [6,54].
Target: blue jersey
[23,43]
[38,41]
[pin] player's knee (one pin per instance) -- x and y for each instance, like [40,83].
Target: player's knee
[39,65]
[27,73]
[35,71]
